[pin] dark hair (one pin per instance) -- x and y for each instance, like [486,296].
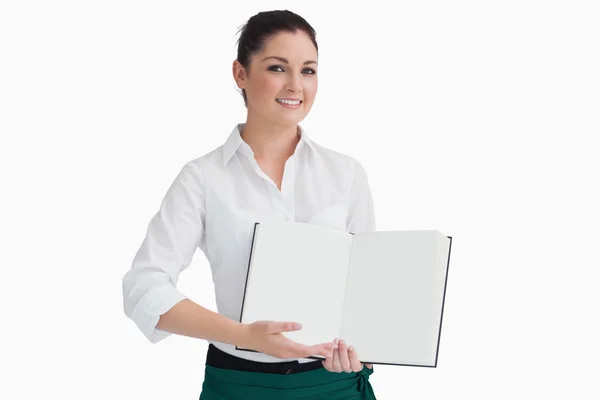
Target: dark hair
[259,28]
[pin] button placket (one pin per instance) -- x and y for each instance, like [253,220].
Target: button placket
[283,200]
[287,187]
[271,187]
[277,199]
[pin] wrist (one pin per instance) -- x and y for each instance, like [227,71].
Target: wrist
[240,335]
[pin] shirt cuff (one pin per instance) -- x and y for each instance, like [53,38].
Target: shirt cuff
[148,311]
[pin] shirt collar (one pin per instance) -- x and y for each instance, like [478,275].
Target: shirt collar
[235,141]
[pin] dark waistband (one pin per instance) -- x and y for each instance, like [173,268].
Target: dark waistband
[217,358]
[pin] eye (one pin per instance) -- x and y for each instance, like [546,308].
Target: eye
[275,67]
[272,68]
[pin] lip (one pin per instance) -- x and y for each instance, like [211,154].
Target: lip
[289,105]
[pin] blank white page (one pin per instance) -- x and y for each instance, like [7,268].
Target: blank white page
[393,303]
[311,262]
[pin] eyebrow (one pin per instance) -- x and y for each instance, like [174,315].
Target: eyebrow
[287,62]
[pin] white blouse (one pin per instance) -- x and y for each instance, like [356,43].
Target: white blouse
[213,204]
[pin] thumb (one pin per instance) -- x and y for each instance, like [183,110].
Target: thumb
[277,327]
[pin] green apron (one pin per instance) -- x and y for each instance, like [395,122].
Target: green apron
[318,384]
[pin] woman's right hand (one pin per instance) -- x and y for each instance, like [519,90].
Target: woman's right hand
[266,337]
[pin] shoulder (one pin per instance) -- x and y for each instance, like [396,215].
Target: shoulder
[337,160]
[205,164]
[332,156]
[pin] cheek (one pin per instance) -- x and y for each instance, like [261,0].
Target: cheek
[267,89]
[310,88]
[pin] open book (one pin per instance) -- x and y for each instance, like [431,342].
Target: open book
[381,292]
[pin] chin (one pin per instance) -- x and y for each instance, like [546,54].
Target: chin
[287,119]
[292,121]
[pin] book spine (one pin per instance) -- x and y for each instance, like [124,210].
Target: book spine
[346,290]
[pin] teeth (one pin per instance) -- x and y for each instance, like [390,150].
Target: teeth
[290,102]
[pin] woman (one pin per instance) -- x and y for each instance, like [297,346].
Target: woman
[267,168]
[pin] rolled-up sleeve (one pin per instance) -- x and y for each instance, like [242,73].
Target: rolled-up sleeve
[361,211]
[172,237]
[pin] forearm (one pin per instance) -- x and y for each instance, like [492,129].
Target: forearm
[190,319]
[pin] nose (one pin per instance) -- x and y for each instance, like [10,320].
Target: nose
[295,84]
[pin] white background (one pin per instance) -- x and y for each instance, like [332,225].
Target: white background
[475,118]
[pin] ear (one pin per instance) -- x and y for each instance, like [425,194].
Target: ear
[239,74]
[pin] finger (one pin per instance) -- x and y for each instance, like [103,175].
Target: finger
[370,366]
[300,350]
[344,358]
[326,345]
[355,364]
[337,367]
[278,327]
[320,350]
[328,362]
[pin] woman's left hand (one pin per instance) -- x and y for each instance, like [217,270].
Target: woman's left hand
[344,359]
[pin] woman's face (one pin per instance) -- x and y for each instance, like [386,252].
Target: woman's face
[285,69]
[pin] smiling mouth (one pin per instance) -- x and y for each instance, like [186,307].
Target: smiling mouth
[289,102]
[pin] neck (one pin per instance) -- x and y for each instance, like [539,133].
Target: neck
[269,141]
